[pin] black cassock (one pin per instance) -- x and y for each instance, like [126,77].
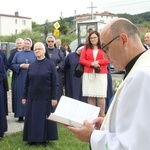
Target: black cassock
[73,85]
[3,122]
[40,88]
[5,82]
[14,75]
[109,88]
[57,57]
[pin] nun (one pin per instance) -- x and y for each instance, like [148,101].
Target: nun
[58,58]
[40,98]
[3,121]
[5,82]
[20,64]
[73,85]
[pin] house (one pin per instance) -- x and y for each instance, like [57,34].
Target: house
[14,24]
[96,21]
[104,17]
[89,20]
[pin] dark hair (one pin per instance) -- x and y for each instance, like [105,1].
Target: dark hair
[69,49]
[89,44]
[90,30]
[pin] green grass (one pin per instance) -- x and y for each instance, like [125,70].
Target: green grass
[9,82]
[67,141]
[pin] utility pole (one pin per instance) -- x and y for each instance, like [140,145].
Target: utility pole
[75,14]
[61,14]
[92,9]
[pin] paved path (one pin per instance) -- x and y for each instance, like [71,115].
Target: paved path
[13,124]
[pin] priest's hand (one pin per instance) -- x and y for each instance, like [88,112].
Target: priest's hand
[98,122]
[82,133]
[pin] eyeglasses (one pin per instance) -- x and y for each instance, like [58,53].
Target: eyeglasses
[50,41]
[93,38]
[103,46]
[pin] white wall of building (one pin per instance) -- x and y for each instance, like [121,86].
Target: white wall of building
[102,18]
[14,25]
[105,19]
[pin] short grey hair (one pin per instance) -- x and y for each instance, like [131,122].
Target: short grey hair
[19,39]
[50,36]
[43,46]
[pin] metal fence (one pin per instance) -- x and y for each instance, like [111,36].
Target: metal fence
[6,47]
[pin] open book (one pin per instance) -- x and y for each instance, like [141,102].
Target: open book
[73,112]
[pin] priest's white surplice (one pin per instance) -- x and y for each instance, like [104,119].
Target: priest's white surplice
[127,123]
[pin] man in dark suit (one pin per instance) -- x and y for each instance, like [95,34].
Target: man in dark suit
[59,46]
[63,50]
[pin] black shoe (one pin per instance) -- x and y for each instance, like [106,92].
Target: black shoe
[20,119]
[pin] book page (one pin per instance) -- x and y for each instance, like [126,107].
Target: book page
[75,110]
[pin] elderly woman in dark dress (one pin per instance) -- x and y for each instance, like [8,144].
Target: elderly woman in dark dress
[40,94]
[20,65]
[58,58]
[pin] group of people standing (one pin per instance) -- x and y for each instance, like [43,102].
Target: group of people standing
[95,86]
[40,73]
[125,126]
[38,83]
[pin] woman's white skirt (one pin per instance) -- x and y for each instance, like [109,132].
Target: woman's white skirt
[94,85]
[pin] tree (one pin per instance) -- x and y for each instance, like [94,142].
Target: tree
[48,28]
[63,26]
[146,25]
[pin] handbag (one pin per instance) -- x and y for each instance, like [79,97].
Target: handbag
[78,70]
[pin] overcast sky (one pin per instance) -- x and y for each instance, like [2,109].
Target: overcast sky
[40,10]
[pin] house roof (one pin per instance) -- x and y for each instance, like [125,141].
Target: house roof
[16,15]
[105,13]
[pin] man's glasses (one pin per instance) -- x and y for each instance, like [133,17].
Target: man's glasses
[103,46]
[50,41]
